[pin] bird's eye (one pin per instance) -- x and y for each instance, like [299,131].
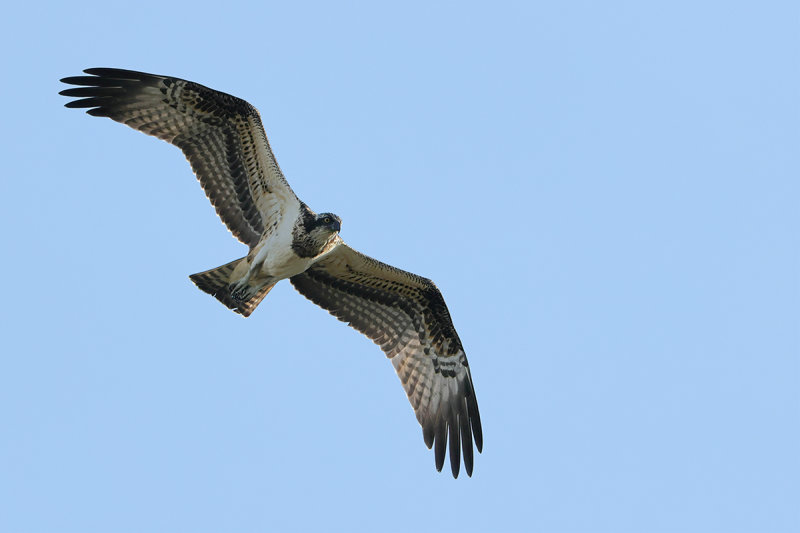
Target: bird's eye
[327,220]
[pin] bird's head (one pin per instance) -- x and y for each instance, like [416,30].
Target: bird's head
[329,222]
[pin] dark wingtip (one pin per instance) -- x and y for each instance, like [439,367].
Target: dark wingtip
[122,74]
[440,441]
[78,80]
[459,431]
[466,440]
[88,102]
[98,112]
[475,419]
[85,92]
[427,436]
[455,446]
[109,72]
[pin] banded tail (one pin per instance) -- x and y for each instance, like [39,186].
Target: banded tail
[217,281]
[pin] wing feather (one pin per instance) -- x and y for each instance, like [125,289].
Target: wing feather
[221,136]
[406,316]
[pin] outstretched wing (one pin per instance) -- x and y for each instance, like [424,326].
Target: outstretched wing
[221,136]
[406,316]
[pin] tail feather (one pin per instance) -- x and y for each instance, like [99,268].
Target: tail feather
[217,281]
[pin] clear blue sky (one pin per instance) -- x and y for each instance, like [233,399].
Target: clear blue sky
[605,192]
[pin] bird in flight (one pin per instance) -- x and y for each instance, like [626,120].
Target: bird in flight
[225,143]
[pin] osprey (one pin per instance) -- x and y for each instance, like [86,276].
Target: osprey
[224,141]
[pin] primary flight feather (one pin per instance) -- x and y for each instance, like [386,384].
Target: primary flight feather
[224,141]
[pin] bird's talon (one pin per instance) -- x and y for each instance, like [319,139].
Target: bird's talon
[238,292]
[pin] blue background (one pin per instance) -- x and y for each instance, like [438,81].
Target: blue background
[605,192]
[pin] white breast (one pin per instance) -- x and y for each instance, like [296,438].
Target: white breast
[279,260]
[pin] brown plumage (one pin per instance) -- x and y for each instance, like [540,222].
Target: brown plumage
[405,314]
